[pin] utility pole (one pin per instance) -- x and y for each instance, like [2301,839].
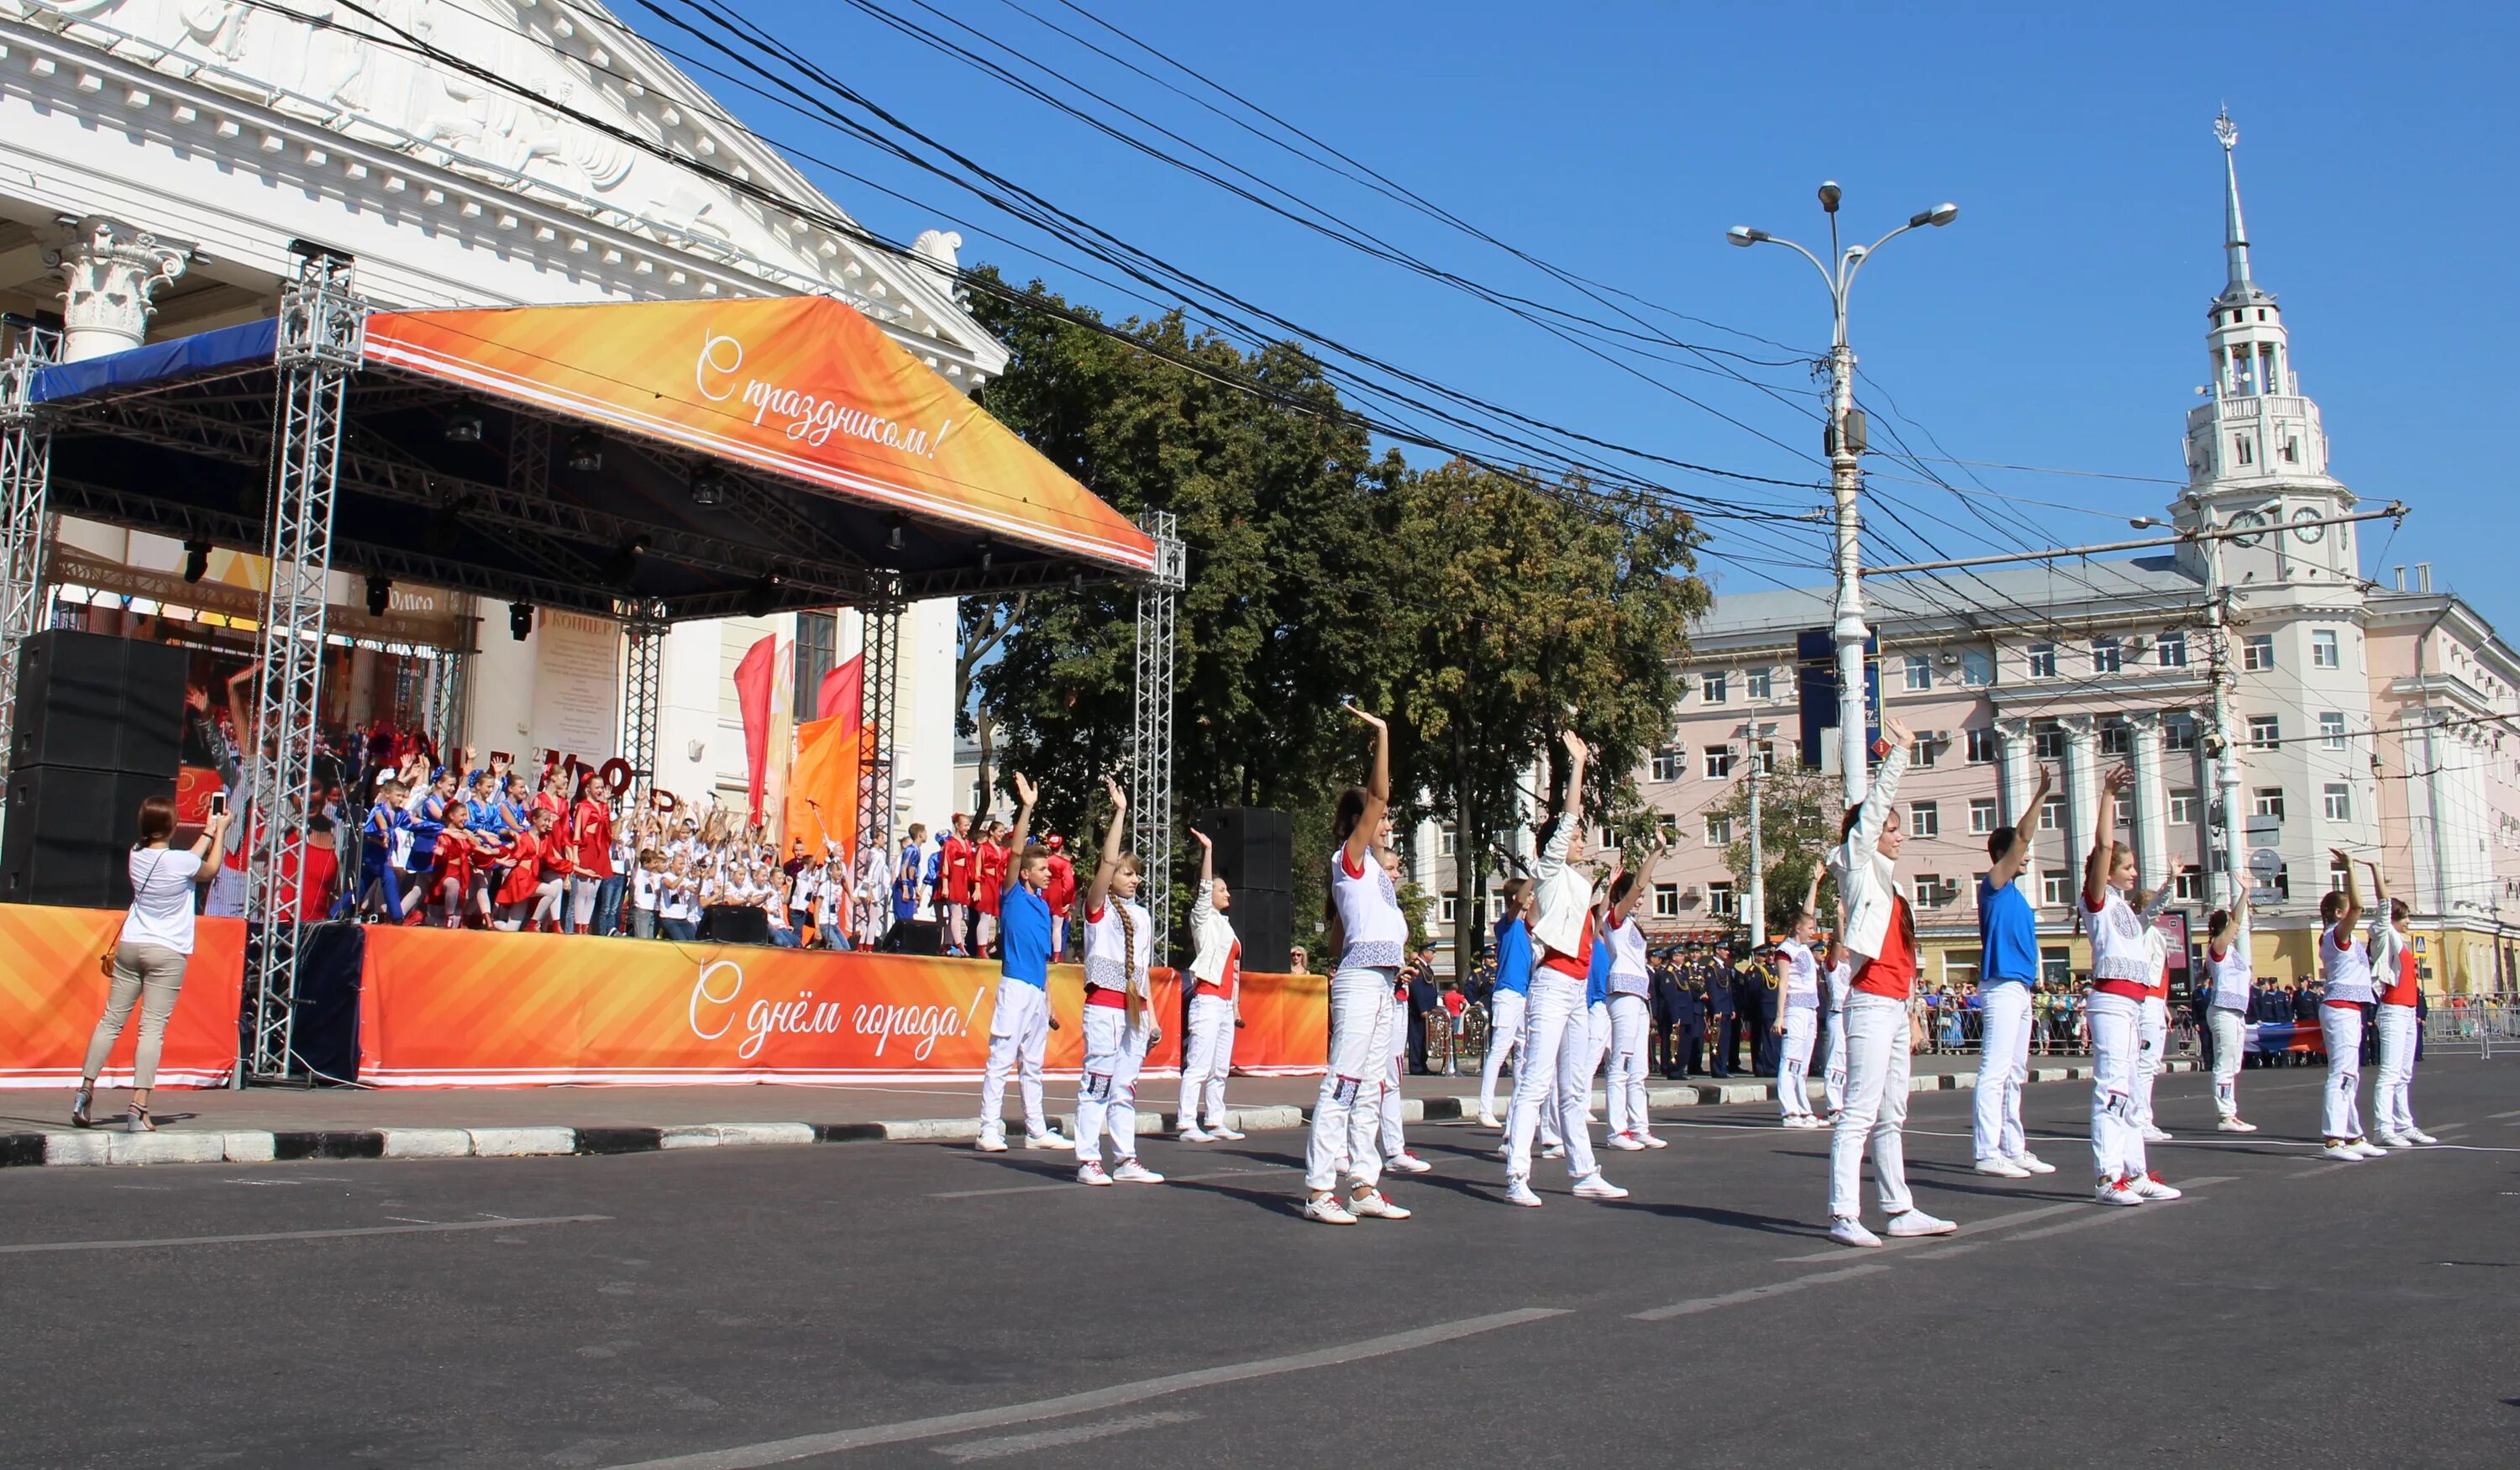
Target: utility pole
[1758,860]
[1845,445]
[2224,818]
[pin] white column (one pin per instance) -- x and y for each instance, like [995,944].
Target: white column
[2151,802]
[111,272]
[2082,788]
[2019,772]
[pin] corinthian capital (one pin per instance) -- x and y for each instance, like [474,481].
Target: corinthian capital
[110,275]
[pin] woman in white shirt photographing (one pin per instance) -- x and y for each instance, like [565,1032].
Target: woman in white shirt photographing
[149,959]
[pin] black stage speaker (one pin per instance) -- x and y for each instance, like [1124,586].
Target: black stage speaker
[735,923]
[68,841]
[914,936]
[104,703]
[1255,847]
[1264,919]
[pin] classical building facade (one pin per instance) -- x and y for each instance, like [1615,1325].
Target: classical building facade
[160,158]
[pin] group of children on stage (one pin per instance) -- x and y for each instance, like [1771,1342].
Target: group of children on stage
[1571,997]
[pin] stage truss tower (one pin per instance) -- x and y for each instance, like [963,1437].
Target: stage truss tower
[879,690]
[25,474]
[644,622]
[1151,737]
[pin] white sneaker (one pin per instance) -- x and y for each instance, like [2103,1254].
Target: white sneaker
[1328,1210]
[1593,1187]
[1851,1232]
[1912,1222]
[1627,1142]
[2115,1193]
[1091,1173]
[2152,1187]
[1229,1135]
[2233,1125]
[2418,1135]
[1552,1150]
[1407,1163]
[1490,1120]
[2392,1140]
[1196,1135]
[1371,1205]
[2031,1162]
[2343,1151]
[1650,1140]
[1050,1140]
[2370,1150]
[2003,1168]
[1131,1172]
[1518,1193]
[1812,1121]
[2153,1134]
[990,1143]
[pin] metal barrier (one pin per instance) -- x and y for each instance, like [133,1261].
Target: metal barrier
[2462,1030]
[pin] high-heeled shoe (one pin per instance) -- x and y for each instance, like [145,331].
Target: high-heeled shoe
[80,1102]
[139,1119]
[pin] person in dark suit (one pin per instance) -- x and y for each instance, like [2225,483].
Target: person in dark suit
[1663,1045]
[1722,1026]
[1423,996]
[1691,1006]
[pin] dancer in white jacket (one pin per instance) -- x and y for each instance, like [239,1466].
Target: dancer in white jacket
[1216,988]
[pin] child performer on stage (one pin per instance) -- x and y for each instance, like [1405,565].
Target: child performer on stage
[1019,1030]
[1881,932]
[1119,1004]
[1216,983]
[2399,984]
[1798,974]
[2345,965]
[1631,1011]
[1368,932]
[2121,971]
[2232,971]
[1505,1001]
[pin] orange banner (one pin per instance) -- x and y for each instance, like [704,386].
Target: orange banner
[52,993]
[444,1008]
[802,386]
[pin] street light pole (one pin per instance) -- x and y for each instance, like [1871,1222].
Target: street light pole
[1845,445]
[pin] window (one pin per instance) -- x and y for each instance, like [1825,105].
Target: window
[2182,809]
[1977,667]
[2047,740]
[1983,747]
[2266,731]
[1763,684]
[1925,819]
[2336,802]
[2056,889]
[1920,755]
[2188,887]
[2282,884]
[1920,672]
[2042,660]
[2178,733]
[1447,843]
[1718,832]
[2258,653]
[2125,810]
[2266,801]
[1719,900]
[2336,875]
[1713,686]
[1452,906]
[818,635]
[2170,650]
[1667,826]
[1981,817]
[2051,814]
[1666,765]
[2108,656]
[1718,762]
[1927,892]
[2325,651]
[1666,900]
[2117,736]
[2243,451]
[2331,729]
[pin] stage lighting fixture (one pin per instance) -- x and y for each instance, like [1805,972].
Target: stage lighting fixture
[520,620]
[762,598]
[988,554]
[464,426]
[379,596]
[197,561]
[586,450]
[708,486]
[623,567]
[892,541]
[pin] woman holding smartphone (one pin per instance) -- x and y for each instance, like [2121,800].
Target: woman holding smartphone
[149,959]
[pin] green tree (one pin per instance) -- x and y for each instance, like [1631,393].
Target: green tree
[1799,812]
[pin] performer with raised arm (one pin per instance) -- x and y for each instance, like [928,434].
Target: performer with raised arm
[1119,1008]
[1505,1000]
[1631,1010]
[2008,931]
[2399,983]
[1835,982]
[2344,968]
[1881,934]
[1216,986]
[1798,1016]
[1369,933]
[2229,966]
[2121,971]
[1553,1070]
[1019,1030]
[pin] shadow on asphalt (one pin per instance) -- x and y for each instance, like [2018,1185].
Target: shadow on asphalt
[1739,1220]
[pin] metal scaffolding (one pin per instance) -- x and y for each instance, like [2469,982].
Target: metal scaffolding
[645,625]
[25,474]
[1151,737]
[449,696]
[879,692]
[322,325]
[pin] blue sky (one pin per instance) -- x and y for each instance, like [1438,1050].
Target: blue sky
[2059,323]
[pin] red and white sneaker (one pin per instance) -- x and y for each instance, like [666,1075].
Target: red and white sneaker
[1373,1205]
[1407,1163]
[1628,1142]
[1652,1141]
[2116,1192]
[2153,1186]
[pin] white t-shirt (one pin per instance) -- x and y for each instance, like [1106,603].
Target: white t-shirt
[642,888]
[1801,974]
[162,898]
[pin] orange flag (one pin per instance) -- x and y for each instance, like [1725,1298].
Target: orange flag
[823,784]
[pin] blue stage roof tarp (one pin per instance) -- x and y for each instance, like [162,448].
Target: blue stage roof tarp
[204,354]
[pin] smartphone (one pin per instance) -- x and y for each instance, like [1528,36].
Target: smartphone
[218,803]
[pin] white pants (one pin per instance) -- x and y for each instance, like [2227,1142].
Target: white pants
[581,901]
[1393,1137]
[1554,1076]
[1208,1059]
[2392,1097]
[1630,1018]
[2003,1066]
[1876,1108]
[1597,1022]
[1350,1107]
[2342,1028]
[2117,1139]
[1832,1072]
[1018,1033]
[1107,1095]
[2152,1039]
[1504,1033]
[2231,1041]
[1793,1061]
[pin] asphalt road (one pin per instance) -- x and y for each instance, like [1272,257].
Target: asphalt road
[909,1304]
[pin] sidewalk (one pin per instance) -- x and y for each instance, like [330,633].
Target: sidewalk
[263,1124]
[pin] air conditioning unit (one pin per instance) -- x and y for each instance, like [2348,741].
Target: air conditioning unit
[1934,738]
[2137,644]
[1951,659]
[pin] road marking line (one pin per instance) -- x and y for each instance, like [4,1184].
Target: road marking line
[395,1229]
[1070,1182]
[1756,1293]
[1052,1439]
[778,1452]
[2105,1215]
[1973,1227]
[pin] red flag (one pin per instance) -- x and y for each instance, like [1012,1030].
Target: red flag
[752,680]
[843,693]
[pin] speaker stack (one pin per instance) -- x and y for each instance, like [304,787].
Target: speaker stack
[97,729]
[1255,855]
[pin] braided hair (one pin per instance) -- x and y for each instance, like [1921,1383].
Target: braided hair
[1134,1005]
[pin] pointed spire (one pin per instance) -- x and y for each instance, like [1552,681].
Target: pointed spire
[2235,235]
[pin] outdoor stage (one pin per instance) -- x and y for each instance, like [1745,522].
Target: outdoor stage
[438,1007]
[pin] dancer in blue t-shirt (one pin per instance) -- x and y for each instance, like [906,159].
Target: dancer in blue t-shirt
[1019,1031]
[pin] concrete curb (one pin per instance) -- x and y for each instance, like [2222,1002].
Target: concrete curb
[109,1148]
